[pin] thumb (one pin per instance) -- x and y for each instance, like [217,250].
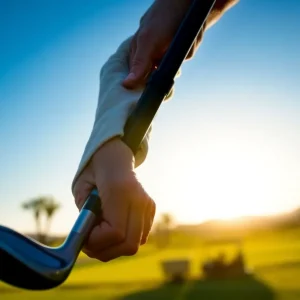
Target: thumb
[81,190]
[140,66]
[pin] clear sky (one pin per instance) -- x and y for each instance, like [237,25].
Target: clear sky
[227,144]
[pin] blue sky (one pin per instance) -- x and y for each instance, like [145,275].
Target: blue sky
[228,140]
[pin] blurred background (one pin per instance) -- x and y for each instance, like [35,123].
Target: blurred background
[223,165]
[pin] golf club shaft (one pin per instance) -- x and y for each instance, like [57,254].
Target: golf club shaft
[157,88]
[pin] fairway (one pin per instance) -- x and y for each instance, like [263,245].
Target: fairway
[275,260]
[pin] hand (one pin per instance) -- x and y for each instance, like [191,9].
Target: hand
[128,211]
[157,29]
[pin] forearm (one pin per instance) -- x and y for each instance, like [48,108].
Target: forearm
[114,106]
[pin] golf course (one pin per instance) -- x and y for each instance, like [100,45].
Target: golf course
[272,257]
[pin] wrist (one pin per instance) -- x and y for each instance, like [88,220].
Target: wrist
[114,154]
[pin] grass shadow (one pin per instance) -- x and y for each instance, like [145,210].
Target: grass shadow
[248,288]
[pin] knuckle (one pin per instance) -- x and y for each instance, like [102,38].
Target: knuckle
[117,235]
[129,188]
[145,35]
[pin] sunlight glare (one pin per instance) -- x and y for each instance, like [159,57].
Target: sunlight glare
[221,175]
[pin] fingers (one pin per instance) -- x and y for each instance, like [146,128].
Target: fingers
[124,206]
[102,237]
[127,221]
[132,242]
[112,229]
[141,62]
[196,44]
[148,221]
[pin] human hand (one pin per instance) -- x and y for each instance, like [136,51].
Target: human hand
[127,210]
[157,28]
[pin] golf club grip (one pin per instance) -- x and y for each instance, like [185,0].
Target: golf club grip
[160,83]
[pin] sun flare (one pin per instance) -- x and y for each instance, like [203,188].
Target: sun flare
[225,176]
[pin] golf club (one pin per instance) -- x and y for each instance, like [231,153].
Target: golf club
[25,263]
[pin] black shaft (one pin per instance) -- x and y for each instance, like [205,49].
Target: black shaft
[161,81]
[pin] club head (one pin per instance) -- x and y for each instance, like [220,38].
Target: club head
[25,263]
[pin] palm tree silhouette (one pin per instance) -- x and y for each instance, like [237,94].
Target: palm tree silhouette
[40,205]
[50,208]
[37,206]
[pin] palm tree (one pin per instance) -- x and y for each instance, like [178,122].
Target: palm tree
[50,209]
[37,206]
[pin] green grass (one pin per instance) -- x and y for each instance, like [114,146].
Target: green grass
[274,257]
